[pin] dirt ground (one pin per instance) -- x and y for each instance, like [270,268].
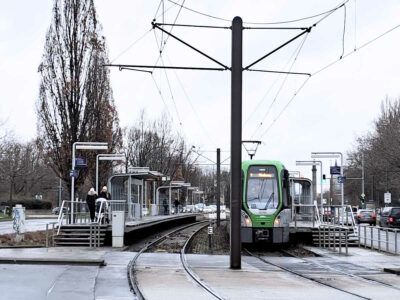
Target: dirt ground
[30,239]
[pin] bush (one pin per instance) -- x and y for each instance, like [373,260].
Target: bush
[28,203]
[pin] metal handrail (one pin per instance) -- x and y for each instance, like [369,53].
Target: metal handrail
[315,213]
[328,231]
[369,241]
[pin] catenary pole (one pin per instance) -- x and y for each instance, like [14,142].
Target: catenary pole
[236,142]
[218,192]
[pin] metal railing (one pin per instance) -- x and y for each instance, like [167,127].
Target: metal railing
[50,234]
[333,237]
[306,212]
[379,238]
[80,215]
[106,208]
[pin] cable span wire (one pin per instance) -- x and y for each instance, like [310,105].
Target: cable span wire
[326,67]
[283,82]
[191,105]
[131,45]
[162,97]
[172,95]
[161,49]
[273,84]
[354,51]
[344,31]
[286,106]
[262,23]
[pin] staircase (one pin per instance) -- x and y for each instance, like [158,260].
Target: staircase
[83,235]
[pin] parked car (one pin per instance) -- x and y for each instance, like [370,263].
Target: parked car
[366,216]
[56,210]
[199,207]
[390,217]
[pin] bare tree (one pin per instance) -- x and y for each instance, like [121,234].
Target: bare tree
[75,98]
[381,150]
[154,145]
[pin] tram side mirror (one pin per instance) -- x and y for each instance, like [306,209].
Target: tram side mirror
[285,178]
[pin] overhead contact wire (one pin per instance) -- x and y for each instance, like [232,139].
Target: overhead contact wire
[284,81]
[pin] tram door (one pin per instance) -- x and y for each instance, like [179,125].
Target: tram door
[136,198]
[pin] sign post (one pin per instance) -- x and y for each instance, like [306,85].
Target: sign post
[388,198]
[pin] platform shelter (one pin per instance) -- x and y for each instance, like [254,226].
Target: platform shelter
[138,188]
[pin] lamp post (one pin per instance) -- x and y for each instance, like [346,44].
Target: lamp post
[313,163]
[332,155]
[81,146]
[99,157]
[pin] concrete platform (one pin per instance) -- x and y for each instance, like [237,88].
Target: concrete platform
[161,276]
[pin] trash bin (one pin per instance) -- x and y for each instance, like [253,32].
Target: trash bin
[118,228]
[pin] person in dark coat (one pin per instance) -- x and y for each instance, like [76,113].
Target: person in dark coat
[104,194]
[176,203]
[91,202]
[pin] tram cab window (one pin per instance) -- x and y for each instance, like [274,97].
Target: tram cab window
[262,188]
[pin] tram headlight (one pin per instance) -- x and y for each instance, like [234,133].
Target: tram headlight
[277,222]
[245,220]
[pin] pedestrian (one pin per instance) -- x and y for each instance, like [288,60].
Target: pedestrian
[104,194]
[91,202]
[176,203]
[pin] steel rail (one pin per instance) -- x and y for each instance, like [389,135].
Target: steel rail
[302,275]
[190,271]
[131,266]
[342,272]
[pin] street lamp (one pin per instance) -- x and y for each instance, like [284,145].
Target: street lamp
[81,146]
[313,163]
[332,155]
[112,156]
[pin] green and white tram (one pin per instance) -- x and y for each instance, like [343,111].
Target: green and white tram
[266,203]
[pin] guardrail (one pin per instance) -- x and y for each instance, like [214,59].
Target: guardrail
[379,238]
[50,237]
[333,237]
[308,212]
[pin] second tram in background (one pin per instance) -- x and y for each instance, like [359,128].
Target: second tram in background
[266,203]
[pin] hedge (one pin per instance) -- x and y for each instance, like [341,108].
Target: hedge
[28,203]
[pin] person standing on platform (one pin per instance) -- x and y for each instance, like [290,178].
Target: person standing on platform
[104,194]
[91,202]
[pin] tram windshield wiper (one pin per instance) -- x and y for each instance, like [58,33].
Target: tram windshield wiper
[269,200]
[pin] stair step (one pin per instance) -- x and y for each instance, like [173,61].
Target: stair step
[77,234]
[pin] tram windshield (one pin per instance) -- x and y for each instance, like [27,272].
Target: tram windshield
[262,188]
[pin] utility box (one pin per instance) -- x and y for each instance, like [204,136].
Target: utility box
[18,215]
[118,228]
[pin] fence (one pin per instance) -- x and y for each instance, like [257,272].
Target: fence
[305,212]
[379,238]
[334,237]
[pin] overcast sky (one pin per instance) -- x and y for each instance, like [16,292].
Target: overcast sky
[331,110]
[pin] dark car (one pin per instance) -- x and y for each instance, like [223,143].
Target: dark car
[390,217]
[366,216]
[56,210]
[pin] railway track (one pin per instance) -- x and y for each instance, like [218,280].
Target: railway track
[348,272]
[300,274]
[185,234]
